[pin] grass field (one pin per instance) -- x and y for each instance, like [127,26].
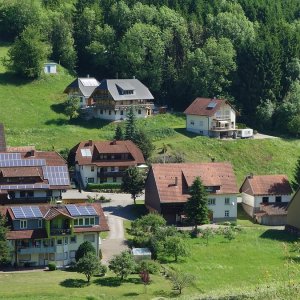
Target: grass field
[260,253]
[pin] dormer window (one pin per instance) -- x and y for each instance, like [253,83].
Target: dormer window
[23,224]
[124,88]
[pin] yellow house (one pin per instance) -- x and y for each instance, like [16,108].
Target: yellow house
[293,216]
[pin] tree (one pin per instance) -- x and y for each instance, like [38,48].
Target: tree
[119,136]
[264,114]
[90,265]
[133,183]
[147,224]
[28,54]
[143,141]
[180,280]
[83,249]
[4,247]
[296,181]
[206,234]
[122,265]
[175,246]
[72,106]
[130,128]
[196,206]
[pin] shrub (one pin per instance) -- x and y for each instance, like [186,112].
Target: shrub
[103,186]
[52,266]
[150,266]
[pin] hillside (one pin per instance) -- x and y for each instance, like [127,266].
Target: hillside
[32,115]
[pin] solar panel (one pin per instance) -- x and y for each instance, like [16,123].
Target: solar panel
[81,210]
[212,105]
[9,156]
[89,82]
[72,209]
[56,175]
[26,212]
[22,162]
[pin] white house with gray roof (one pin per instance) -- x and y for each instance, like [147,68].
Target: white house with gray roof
[113,98]
[82,88]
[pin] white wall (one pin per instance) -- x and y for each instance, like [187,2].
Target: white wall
[40,193]
[116,115]
[197,124]
[248,199]
[284,198]
[220,207]
[50,68]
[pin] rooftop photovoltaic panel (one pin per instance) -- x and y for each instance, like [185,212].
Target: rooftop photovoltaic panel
[89,82]
[22,162]
[56,175]
[9,156]
[212,105]
[81,210]
[24,186]
[26,212]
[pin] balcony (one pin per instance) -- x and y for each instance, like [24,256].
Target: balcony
[124,106]
[36,250]
[60,231]
[222,117]
[102,174]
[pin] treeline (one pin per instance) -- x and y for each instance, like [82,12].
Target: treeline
[245,50]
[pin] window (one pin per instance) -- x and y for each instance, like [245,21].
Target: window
[192,122]
[109,112]
[76,222]
[86,221]
[22,194]
[226,213]
[201,132]
[104,179]
[65,240]
[114,179]
[89,237]
[227,201]
[278,199]
[112,169]
[49,193]
[30,194]
[80,222]
[59,242]
[72,254]
[92,168]
[40,223]
[121,112]
[101,111]
[265,199]
[23,224]
[92,221]
[139,111]
[211,201]
[91,180]
[37,244]
[73,239]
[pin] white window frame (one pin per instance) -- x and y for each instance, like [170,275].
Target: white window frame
[211,201]
[40,223]
[226,214]
[23,224]
[227,201]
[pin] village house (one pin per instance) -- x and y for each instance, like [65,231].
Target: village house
[167,189]
[40,234]
[293,220]
[104,161]
[82,88]
[32,176]
[113,98]
[211,117]
[265,198]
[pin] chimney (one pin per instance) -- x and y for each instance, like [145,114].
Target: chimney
[90,142]
[176,180]
[32,152]
[133,77]
[88,75]
[114,142]
[250,175]
[213,159]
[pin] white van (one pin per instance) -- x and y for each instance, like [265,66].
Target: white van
[245,133]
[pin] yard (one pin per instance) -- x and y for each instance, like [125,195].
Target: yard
[260,254]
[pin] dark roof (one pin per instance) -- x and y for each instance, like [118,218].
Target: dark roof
[116,86]
[267,185]
[107,147]
[217,174]
[85,85]
[2,138]
[273,209]
[206,106]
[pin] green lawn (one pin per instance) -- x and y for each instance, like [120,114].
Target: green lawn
[255,257]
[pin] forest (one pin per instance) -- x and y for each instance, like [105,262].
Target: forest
[247,51]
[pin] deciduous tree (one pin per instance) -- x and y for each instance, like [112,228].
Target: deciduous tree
[175,246]
[4,247]
[72,105]
[122,265]
[83,249]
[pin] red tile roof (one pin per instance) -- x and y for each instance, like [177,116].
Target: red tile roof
[107,147]
[21,172]
[273,209]
[199,107]
[217,174]
[267,185]
[26,234]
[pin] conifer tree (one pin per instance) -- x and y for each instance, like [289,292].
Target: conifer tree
[130,130]
[119,136]
[4,248]
[296,182]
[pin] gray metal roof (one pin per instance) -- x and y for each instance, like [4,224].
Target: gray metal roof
[115,87]
[86,85]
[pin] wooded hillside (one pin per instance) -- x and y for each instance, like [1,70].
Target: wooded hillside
[246,50]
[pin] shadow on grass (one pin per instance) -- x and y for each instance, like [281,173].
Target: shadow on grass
[278,235]
[108,281]
[130,294]
[58,121]
[166,294]
[74,283]
[12,79]
[58,108]
[186,133]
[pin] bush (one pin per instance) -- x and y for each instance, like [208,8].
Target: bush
[83,249]
[52,266]
[148,265]
[103,186]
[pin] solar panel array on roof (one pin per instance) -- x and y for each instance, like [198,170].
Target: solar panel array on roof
[24,186]
[9,156]
[86,152]
[212,104]
[89,82]
[26,212]
[22,162]
[56,175]
[81,210]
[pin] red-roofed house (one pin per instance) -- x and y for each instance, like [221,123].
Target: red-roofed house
[39,234]
[167,188]
[211,117]
[265,198]
[104,161]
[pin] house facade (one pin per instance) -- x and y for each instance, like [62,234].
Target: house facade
[50,68]
[32,176]
[113,98]
[104,161]
[211,117]
[42,234]
[82,88]
[293,220]
[265,198]
[167,189]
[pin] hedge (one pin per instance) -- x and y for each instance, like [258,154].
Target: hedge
[103,186]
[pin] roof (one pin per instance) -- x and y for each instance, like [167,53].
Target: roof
[26,234]
[2,138]
[95,148]
[216,174]
[117,86]
[85,84]
[273,209]
[20,172]
[266,185]
[206,106]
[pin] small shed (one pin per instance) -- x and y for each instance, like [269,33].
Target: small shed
[141,253]
[50,68]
